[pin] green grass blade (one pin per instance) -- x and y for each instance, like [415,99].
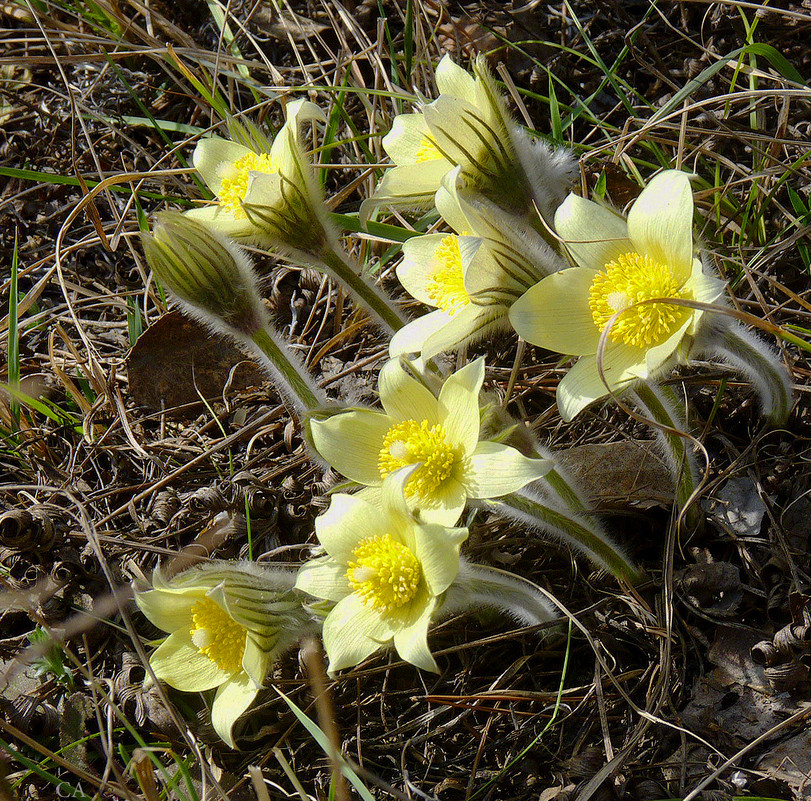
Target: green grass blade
[318,735]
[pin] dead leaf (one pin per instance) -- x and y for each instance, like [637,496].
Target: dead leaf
[713,588]
[175,354]
[616,474]
[790,762]
[738,506]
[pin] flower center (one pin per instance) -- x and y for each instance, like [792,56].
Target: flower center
[384,573]
[627,280]
[427,151]
[235,186]
[217,635]
[410,442]
[446,287]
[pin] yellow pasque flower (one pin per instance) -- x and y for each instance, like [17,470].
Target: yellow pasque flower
[227,624]
[267,197]
[469,126]
[470,277]
[384,571]
[620,263]
[439,436]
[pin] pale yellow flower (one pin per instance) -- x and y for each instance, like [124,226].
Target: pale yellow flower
[267,197]
[438,435]
[472,276]
[227,624]
[384,571]
[469,126]
[620,264]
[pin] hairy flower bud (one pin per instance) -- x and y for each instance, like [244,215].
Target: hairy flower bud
[208,274]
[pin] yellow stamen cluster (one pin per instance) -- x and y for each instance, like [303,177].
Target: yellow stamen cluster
[235,186]
[217,635]
[410,442]
[627,280]
[384,572]
[446,287]
[427,151]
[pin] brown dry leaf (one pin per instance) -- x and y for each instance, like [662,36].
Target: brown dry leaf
[734,704]
[175,354]
[790,762]
[616,474]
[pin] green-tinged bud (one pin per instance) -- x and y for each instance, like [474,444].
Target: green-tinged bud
[209,274]
[227,624]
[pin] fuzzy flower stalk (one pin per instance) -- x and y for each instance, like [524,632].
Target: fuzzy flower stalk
[472,276]
[271,197]
[469,126]
[227,624]
[388,576]
[213,281]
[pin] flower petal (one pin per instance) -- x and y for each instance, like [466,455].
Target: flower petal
[497,469]
[451,79]
[582,384]
[594,234]
[467,325]
[437,549]
[657,356]
[412,642]
[256,662]
[351,442]
[706,288]
[405,142]
[405,398]
[419,265]
[660,223]
[409,185]
[459,405]
[179,663]
[447,202]
[224,221]
[412,336]
[555,314]
[346,522]
[464,133]
[446,504]
[301,110]
[231,700]
[353,631]
[168,611]
[324,578]
[214,158]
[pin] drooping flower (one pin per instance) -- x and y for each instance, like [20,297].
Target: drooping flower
[439,435]
[227,624]
[470,277]
[469,126]
[384,570]
[620,264]
[267,197]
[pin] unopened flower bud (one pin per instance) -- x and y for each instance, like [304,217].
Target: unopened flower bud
[209,274]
